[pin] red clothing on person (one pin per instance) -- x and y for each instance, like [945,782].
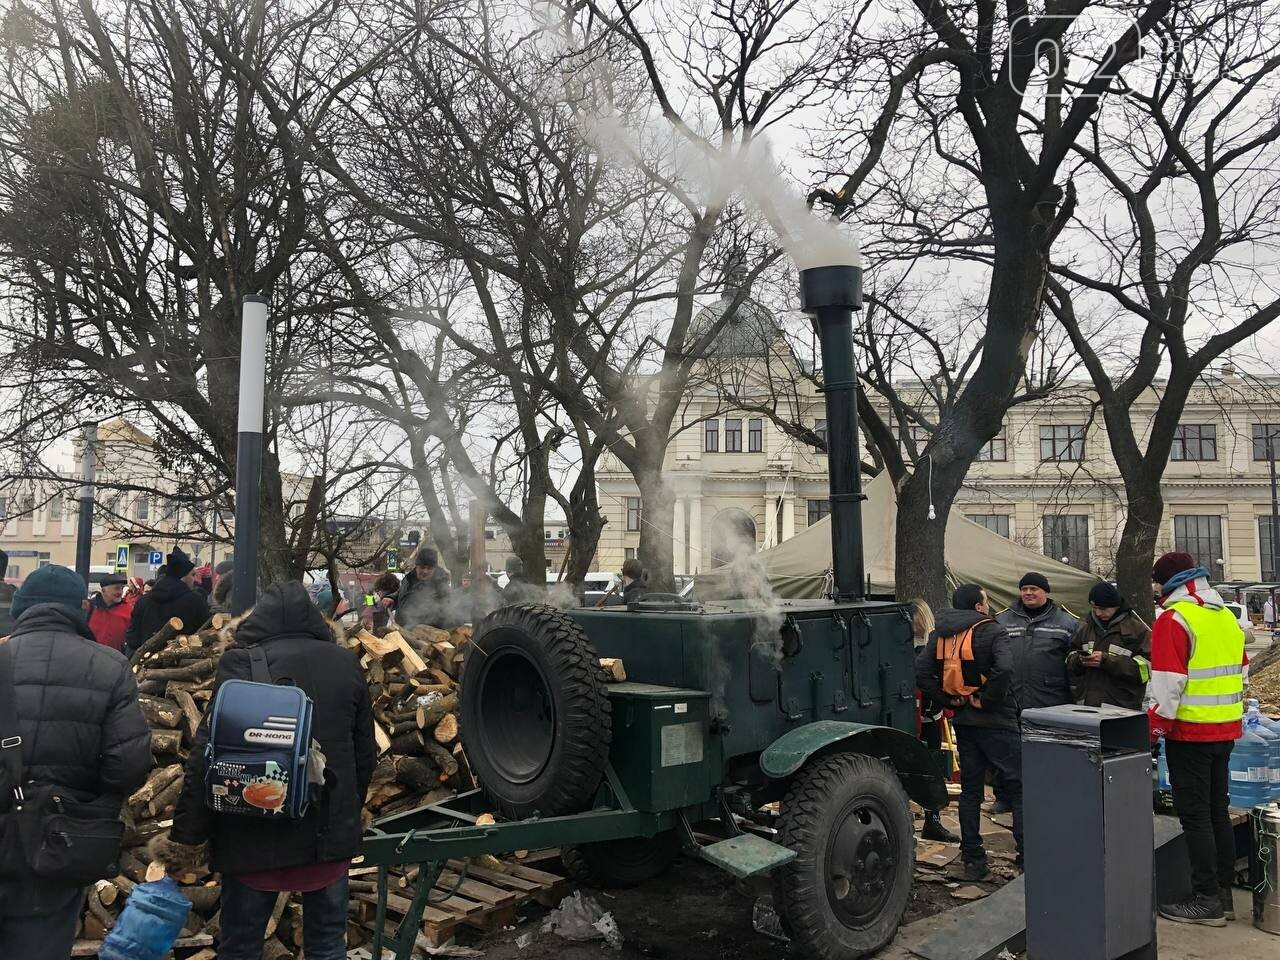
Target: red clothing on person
[302,879]
[108,624]
[1170,653]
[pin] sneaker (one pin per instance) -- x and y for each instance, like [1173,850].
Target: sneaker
[977,870]
[934,830]
[998,807]
[1202,910]
[1228,903]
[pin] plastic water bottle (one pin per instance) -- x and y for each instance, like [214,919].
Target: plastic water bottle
[1267,728]
[1250,765]
[151,921]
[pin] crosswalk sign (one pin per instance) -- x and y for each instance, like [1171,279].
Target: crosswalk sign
[393,558]
[122,558]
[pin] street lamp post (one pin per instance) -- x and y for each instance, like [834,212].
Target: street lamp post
[1275,507]
[84,522]
[253,375]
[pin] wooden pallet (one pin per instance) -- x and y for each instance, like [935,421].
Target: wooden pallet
[485,899]
[90,948]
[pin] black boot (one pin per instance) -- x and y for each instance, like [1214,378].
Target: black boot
[1228,903]
[934,830]
[1203,910]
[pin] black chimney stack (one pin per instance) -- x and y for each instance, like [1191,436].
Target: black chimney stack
[830,295]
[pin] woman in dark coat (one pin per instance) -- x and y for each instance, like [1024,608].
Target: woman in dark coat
[260,857]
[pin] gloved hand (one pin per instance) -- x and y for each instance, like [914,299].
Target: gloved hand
[179,858]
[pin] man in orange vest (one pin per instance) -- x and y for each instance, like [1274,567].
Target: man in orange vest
[1196,691]
[967,666]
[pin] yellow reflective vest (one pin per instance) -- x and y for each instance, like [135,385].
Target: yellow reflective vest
[1215,673]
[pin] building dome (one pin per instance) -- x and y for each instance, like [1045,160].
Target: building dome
[749,332]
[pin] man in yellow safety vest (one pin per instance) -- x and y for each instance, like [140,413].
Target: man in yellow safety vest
[1196,697]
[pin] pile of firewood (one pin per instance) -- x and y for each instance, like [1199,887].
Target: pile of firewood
[413,686]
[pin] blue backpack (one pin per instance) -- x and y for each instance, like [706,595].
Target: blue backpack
[259,742]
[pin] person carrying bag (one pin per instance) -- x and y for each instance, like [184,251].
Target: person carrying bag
[73,745]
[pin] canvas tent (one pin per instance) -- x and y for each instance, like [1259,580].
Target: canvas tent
[798,567]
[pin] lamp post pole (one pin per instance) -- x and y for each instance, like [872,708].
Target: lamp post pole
[1275,508]
[84,522]
[253,375]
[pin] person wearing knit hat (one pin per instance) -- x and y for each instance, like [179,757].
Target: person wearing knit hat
[80,733]
[1033,579]
[1040,632]
[51,584]
[1196,697]
[1110,658]
[174,595]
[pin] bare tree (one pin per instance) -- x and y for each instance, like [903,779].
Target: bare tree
[1187,274]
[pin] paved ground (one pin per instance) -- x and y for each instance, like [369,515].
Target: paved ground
[696,912]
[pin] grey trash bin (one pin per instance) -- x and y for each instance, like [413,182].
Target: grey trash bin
[1088,834]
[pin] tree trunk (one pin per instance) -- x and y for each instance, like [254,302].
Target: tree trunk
[275,560]
[1136,553]
[585,526]
[920,568]
[657,517]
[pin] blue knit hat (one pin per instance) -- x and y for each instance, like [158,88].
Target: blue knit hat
[50,584]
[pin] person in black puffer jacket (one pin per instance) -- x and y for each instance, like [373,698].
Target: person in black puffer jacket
[172,596]
[260,857]
[986,720]
[81,729]
[1040,633]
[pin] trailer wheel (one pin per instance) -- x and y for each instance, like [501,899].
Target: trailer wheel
[847,818]
[535,715]
[618,864]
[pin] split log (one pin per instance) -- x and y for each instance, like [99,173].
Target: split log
[282,900]
[447,729]
[204,899]
[442,757]
[614,670]
[160,713]
[158,780]
[132,867]
[196,671]
[157,640]
[107,892]
[98,909]
[166,741]
[409,743]
[430,715]
[166,799]
[416,773]
[190,712]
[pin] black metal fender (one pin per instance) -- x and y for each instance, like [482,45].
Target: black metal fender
[909,757]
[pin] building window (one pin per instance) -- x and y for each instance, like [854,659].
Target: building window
[1196,441]
[1264,548]
[755,436]
[733,435]
[1260,433]
[491,534]
[820,428]
[919,437]
[546,534]
[1062,443]
[1066,537]
[711,437]
[28,503]
[55,506]
[633,513]
[4,509]
[995,522]
[818,509]
[142,509]
[629,553]
[1202,538]
[994,450]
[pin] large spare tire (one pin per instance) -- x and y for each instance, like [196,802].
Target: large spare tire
[535,714]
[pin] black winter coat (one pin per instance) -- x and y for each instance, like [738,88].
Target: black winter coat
[81,726]
[634,591]
[1040,642]
[170,597]
[992,659]
[301,648]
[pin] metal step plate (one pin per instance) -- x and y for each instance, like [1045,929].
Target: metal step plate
[746,855]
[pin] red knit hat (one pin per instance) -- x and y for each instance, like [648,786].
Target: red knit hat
[1170,564]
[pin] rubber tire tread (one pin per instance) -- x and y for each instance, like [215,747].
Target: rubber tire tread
[599,865]
[587,728]
[799,890]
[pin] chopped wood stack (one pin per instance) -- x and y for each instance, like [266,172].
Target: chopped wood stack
[413,687]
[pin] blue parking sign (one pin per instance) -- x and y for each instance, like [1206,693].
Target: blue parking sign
[155,558]
[122,558]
